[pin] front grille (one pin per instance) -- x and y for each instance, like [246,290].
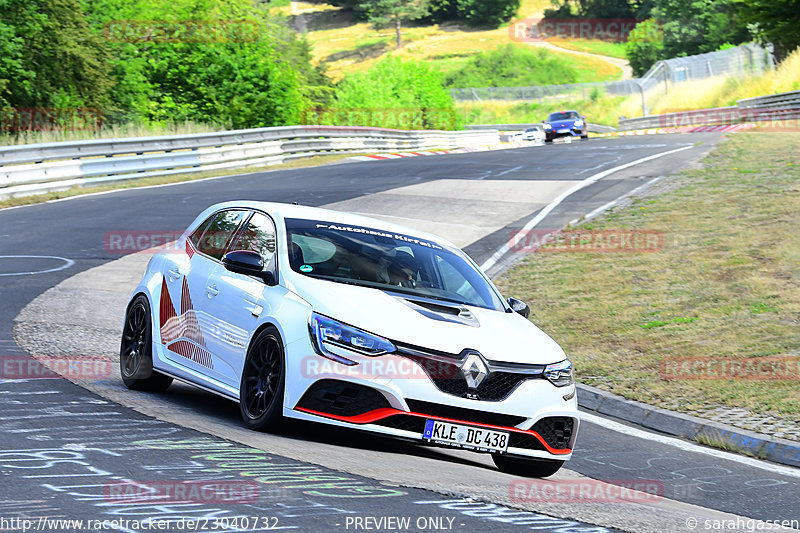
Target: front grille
[524,440]
[465,415]
[555,430]
[448,377]
[341,398]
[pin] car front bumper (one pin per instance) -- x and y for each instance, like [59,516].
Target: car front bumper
[397,397]
[572,132]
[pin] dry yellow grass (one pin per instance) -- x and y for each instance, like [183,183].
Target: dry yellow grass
[533,8]
[355,47]
[725,91]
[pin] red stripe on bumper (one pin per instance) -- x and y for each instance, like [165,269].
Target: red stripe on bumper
[385,412]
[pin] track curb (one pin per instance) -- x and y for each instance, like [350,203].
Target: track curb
[690,427]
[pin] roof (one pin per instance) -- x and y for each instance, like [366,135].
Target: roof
[283,211]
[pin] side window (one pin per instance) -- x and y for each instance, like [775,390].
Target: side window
[218,231]
[197,234]
[258,236]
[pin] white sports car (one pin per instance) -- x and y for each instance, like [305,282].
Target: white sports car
[318,315]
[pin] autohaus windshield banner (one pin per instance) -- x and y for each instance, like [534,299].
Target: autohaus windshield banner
[302,224]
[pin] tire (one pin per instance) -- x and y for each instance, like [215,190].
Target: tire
[548,140]
[526,467]
[263,382]
[584,137]
[136,350]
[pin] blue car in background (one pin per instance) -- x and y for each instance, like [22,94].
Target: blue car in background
[565,124]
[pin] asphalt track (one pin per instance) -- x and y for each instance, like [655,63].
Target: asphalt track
[41,415]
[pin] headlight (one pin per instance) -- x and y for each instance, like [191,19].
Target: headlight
[548,127]
[332,337]
[578,123]
[560,374]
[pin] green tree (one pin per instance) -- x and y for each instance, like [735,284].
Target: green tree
[775,21]
[645,46]
[49,55]
[386,13]
[224,61]
[698,26]
[487,12]
[594,8]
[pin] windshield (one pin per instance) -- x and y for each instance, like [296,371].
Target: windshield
[567,115]
[386,260]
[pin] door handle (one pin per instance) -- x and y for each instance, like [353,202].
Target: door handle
[174,274]
[212,291]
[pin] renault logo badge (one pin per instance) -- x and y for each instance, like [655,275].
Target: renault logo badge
[474,369]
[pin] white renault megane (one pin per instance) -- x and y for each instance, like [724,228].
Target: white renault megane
[318,315]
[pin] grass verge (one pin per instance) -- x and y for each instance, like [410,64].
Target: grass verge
[163,180]
[725,285]
[592,46]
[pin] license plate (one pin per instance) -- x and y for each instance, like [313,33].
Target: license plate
[565,130]
[468,437]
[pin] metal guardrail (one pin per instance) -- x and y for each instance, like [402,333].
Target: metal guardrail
[704,117]
[790,99]
[760,109]
[46,167]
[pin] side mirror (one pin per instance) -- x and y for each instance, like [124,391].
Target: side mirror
[248,263]
[518,306]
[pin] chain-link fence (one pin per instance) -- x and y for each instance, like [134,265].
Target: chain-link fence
[744,60]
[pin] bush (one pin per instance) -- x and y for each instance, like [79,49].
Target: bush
[645,46]
[511,65]
[392,94]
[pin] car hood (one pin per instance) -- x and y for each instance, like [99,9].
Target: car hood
[499,336]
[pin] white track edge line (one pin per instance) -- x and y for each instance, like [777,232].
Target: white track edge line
[689,446]
[489,263]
